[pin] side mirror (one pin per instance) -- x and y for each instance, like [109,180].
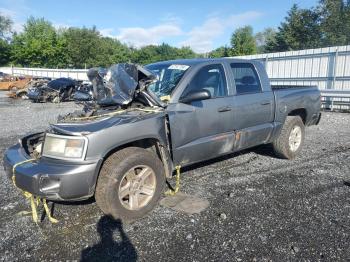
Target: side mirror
[196,96]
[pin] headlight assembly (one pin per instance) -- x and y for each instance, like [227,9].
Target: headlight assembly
[65,147]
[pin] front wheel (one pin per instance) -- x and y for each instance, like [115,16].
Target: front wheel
[291,139]
[130,184]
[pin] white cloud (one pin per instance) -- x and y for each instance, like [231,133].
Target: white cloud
[242,19]
[170,18]
[201,38]
[7,12]
[18,11]
[17,25]
[139,36]
[19,16]
[107,32]
[60,25]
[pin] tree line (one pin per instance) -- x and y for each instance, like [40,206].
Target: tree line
[326,24]
[42,45]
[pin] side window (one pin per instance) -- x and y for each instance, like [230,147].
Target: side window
[211,78]
[246,78]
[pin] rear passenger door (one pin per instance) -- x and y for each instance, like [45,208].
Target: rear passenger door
[202,130]
[253,108]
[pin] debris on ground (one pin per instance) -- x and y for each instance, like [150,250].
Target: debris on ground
[22,92]
[10,82]
[185,203]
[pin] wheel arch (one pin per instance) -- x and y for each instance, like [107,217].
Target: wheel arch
[152,144]
[299,112]
[148,143]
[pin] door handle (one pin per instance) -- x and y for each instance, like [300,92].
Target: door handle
[264,103]
[224,109]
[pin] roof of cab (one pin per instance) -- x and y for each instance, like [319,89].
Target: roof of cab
[196,61]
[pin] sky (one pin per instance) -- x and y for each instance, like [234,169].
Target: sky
[203,25]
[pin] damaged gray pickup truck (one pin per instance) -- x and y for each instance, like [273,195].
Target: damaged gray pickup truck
[145,121]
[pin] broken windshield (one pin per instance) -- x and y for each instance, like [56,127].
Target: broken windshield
[169,75]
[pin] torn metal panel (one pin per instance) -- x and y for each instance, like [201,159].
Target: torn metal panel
[57,90]
[118,85]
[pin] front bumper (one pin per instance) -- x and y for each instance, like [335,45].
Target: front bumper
[50,178]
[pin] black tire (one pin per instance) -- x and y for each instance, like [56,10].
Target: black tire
[111,174]
[281,144]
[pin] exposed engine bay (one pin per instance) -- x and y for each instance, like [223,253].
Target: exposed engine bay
[32,144]
[121,87]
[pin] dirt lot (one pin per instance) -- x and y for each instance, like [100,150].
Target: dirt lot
[261,208]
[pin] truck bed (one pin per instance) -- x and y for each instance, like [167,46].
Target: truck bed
[276,87]
[291,97]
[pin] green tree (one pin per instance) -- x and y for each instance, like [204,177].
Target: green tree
[153,53]
[300,30]
[41,45]
[222,51]
[5,52]
[38,45]
[85,47]
[262,38]
[243,42]
[145,55]
[111,51]
[5,47]
[335,22]
[5,26]
[185,52]
[82,46]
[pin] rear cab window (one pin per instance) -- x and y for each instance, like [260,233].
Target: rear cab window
[246,78]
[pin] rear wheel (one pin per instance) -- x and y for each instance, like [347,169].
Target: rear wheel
[291,139]
[130,184]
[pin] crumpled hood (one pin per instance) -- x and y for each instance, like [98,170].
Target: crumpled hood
[118,85]
[106,122]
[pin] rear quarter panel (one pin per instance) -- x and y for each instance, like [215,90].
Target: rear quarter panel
[290,99]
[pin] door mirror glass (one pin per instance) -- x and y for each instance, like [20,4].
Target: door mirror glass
[196,96]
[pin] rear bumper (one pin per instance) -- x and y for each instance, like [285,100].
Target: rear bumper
[52,179]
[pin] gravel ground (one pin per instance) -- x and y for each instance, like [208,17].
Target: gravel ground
[261,208]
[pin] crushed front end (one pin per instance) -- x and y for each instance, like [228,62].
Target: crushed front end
[66,159]
[47,177]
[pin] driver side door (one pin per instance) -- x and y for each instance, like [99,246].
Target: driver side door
[201,130]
